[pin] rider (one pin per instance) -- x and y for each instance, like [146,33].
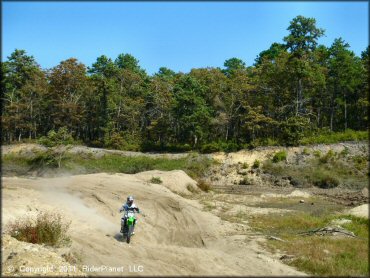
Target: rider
[128,206]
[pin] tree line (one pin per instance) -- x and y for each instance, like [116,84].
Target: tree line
[294,89]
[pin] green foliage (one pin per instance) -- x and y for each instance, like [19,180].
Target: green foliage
[335,137]
[229,147]
[294,94]
[325,181]
[279,156]
[335,172]
[221,146]
[271,54]
[114,141]
[195,166]
[46,159]
[263,142]
[303,34]
[245,165]
[344,152]
[61,137]
[306,151]
[256,164]
[121,141]
[329,156]
[360,162]
[293,130]
[233,65]
[156,180]
[48,228]
[171,148]
[343,257]
[211,148]
[128,62]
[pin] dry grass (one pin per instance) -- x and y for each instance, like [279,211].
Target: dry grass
[204,186]
[318,255]
[156,180]
[48,228]
[208,205]
[191,188]
[315,255]
[72,257]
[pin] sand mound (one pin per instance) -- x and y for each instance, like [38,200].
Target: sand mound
[243,209]
[24,149]
[173,235]
[26,259]
[177,180]
[360,211]
[295,193]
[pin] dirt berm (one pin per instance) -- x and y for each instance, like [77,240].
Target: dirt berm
[174,236]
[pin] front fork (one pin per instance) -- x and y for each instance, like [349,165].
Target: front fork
[124,226]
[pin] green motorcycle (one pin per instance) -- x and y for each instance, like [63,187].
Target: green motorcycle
[129,224]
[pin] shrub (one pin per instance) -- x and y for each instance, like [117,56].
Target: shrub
[326,158]
[204,186]
[122,141]
[256,164]
[259,142]
[96,144]
[156,180]
[272,142]
[327,137]
[44,159]
[229,147]
[317,153]
[293,130]
[326,181]
[360,161]
[344,152]
[221,146]
[245,165]
[48,228]
[305,151]
[161,147]
[62,137]
[210,148]
[196,166]
[191,188]
[177,148]
[244,181]
[279,156]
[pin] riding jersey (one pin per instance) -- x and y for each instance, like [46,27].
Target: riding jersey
[127,207]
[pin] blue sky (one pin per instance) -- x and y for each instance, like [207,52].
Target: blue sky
[177,35]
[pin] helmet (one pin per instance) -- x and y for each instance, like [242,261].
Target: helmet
[130,200]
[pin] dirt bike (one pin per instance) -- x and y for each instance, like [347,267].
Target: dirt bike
[129,225]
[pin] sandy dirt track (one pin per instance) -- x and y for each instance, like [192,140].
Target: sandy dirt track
[174,236]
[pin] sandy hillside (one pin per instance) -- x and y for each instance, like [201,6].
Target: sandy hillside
[360,211]
[173,236]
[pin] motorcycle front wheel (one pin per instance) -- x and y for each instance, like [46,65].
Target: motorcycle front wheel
[129,233]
